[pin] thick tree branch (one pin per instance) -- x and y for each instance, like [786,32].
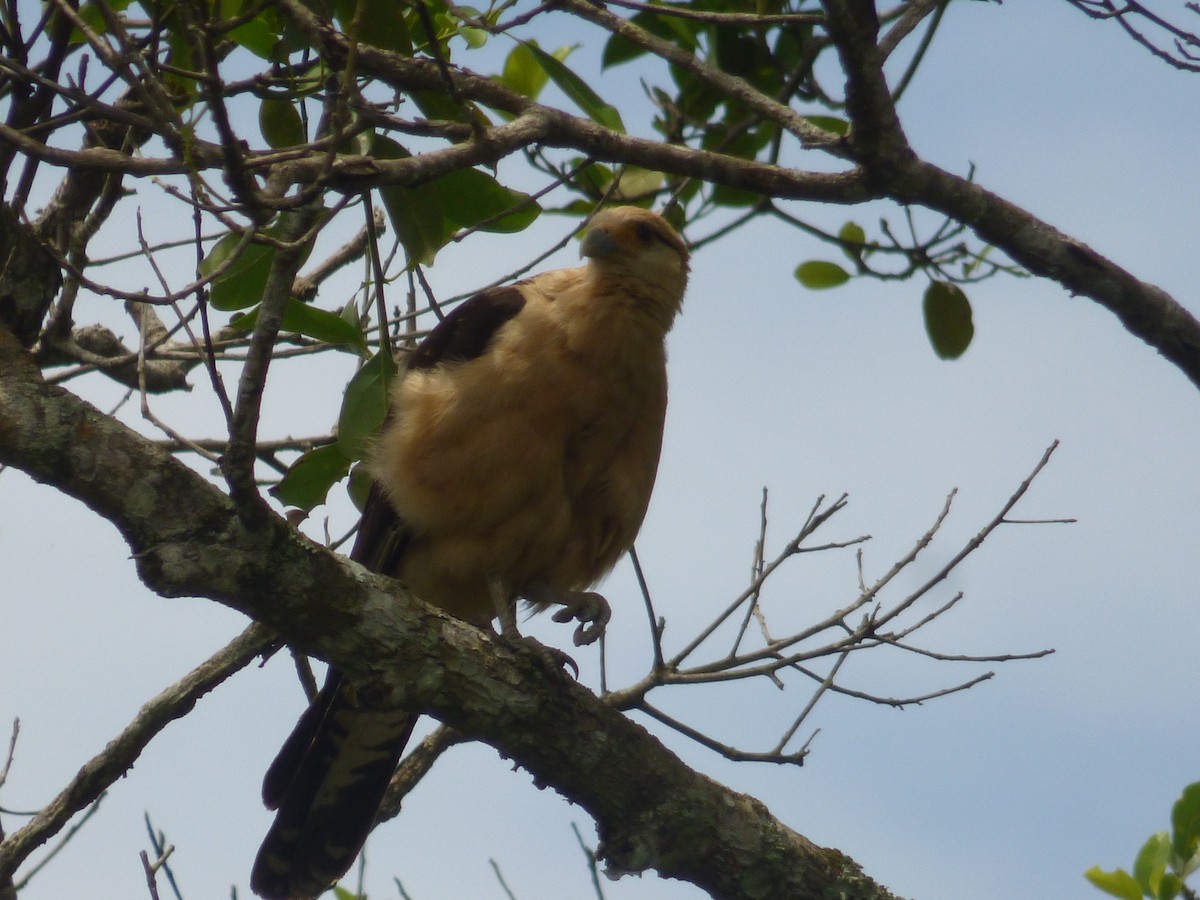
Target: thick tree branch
[876,136]
[1146,311]
[652,812]
[894,171]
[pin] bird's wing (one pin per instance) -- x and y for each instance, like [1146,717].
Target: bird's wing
[468,329]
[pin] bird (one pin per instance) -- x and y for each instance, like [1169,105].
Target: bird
[516,463]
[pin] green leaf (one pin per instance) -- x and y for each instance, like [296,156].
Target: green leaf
[1186,867]
[637,184]
[365,405]
[1170,886]
[948,319]
[829,123]
[578,90]
[350,314]
[242,284]
[732,138]
[1118,883]
[257,36]
[475,37]
[92,16]
[359,486]
[381,24]
[593,180]
[695,99]
[470,197]
[736,51]
[440,105]
[308,480]
[280,123]
[681,32]
[180,60]
[313,322]
[415,212]
[522,72]
[1185,823]
[292,39]
[323,325]
[619,50]
[1151,862]
[724,195]
[817,274]
[854,241]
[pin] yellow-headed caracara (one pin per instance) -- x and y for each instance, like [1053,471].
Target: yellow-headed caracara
[517,462]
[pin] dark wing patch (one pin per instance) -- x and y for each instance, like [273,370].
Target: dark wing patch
[465,333]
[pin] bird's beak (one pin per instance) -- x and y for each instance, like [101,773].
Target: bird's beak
[597,243]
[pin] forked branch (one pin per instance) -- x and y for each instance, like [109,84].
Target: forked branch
[859,625]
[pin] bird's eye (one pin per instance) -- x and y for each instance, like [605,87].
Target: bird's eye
[644,233]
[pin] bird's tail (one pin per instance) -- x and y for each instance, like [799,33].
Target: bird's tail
[327,783]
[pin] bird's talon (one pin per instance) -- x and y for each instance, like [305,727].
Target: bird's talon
[589,609]
[552,659]
[588,633]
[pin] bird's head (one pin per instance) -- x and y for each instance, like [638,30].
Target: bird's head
[635,244]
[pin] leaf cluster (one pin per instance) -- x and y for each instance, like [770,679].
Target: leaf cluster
[1165,860]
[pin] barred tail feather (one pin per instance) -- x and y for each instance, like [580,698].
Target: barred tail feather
[327,782]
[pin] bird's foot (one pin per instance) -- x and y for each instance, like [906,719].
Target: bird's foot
[588,608]
[551,659]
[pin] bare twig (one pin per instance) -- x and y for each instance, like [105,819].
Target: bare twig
[150,872]
[12,750]
[110,764]
[725,750]
[816,518]
[1180,51]
[590,855]
[830,636]
[61,843]
[162,853]
[237,464]
[825,685]
[656,624]
[500,878]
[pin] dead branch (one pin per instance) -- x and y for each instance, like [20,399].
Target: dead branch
[829,636]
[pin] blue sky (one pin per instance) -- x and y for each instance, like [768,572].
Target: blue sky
[1007,791]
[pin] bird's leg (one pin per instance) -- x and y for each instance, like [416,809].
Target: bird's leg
[503,601]
[588,608]
[505,608]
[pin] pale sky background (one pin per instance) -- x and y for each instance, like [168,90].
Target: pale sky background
[1008,791]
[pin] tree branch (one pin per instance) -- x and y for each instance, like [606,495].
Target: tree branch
[892,169]
[98,774]
[651,811]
